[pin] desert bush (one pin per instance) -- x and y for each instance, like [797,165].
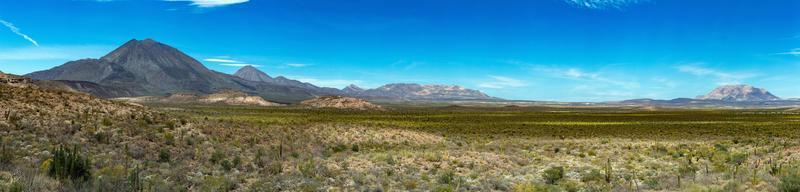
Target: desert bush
[553,174]
[69,164]
[111,178]
[217,156]
[217,184]
[164,155]
[9,183]
[6,153]
[447,177]
[790,181]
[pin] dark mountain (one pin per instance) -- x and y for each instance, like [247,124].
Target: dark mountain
[148,67]
[739,93]
[406,91]
[250,73]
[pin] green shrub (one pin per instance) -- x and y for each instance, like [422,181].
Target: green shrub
[448,177]
[790,182]
[69,164]
[164,156]
[553,175]
[217,184]
[308,168]
[226,165]
[6,153]
[169,139]
[217,156]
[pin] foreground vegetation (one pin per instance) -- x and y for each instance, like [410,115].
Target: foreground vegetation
[82,144]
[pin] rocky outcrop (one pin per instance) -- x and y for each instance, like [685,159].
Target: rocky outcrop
[340,102]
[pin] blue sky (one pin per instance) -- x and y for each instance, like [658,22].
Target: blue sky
[564,50]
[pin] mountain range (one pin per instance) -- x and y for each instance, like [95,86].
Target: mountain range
[150,68]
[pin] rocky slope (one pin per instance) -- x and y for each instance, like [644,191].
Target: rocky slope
[739,93]
[410,91]
[340,102]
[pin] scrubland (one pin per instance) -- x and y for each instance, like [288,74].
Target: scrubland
[70,142]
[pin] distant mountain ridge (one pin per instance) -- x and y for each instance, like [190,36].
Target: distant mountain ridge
[397,91]
[722,96]
[412,91]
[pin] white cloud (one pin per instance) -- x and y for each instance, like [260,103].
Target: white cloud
[212,3]
[221,60]
[297,65]
[239,64]
[795,52]
[580,75]
[500,82]
[16,30]
[604,4]
[721,77]
[54,52]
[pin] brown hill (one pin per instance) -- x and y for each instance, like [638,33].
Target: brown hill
[223,98]
[340,102]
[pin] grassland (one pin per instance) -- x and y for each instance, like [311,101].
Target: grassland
[410,148]
[454,148]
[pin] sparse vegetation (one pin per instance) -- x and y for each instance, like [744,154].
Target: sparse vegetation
[421,148]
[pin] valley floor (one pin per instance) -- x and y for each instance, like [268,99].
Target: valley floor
[450,148]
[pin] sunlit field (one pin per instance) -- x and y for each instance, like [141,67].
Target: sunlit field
[455,148]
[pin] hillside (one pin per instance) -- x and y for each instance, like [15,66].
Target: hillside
[340,102]
[219,98]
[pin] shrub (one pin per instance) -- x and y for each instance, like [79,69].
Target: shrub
[553,175]
[6,154]
[215,183]
[790,181]
[69,164]
[448,177]
[217,157]
[164,156]
[226,165]
[169,139]
[592,175]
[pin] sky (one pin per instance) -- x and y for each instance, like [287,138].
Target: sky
[553,50]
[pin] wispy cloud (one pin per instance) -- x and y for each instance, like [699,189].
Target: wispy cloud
[500,82]
[227,61]
[604,4]
[795,52]
[216,60]
[16,30]
[297,65]
[581,75]
[239,64]
[212,3]
[721,77]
